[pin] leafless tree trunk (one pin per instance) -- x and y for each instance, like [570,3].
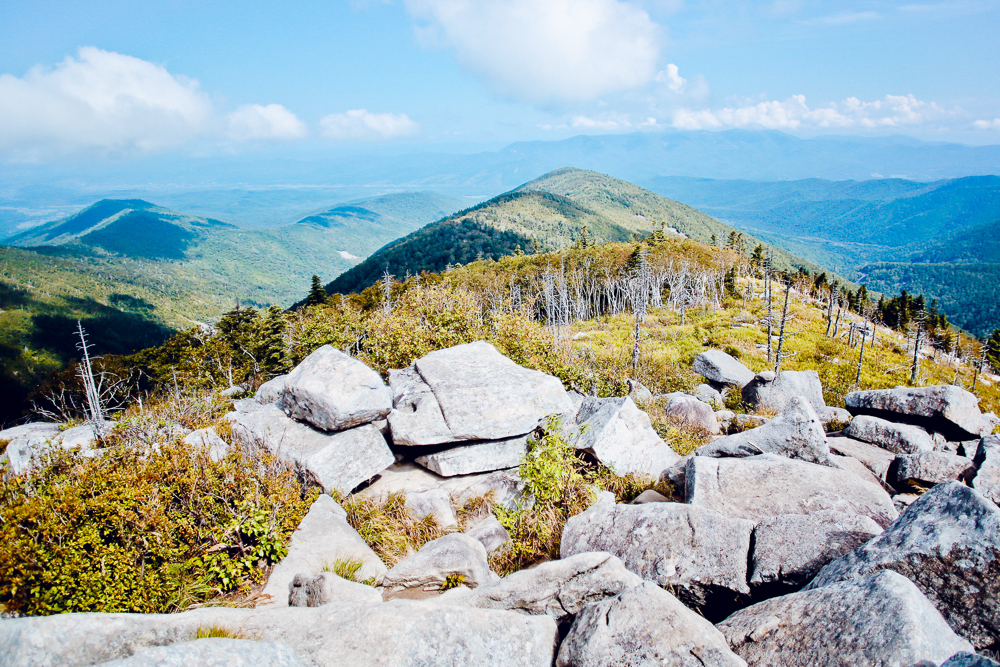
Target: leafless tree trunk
[918,322]
[781,332]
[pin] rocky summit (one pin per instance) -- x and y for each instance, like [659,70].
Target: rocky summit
[780,544]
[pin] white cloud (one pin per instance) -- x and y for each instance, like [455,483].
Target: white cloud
[364,125]
[256,121]
[672,78]
[987,124]
[100,100]
[546,50]
[794,113]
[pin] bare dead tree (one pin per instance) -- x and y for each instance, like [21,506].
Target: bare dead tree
[781,332]
[834,291]
[864,336]
[386,286]
[918,323]
[980,362]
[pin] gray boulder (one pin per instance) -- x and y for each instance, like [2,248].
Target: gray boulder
[322,538]
[335,461]
[41,431]
[925,469]
[874,458]
[719,367]
[432,502]
[560,589]
[416,417]
[700,554]
[638,392]
[789,550]
[709,394]
[879,619]
[759,487]
[693,412]
[327,587]
[833,417]
[948,544]
[81,437]
[775,394]
[215,652]
[987,480]
[744,422]
[895,437]
[334,391]
[208,440]
[644,626]
[401,633]
[796,433]
[490,533]
[455,555]
[965,659]
[859,469]
[620,435]
[946,409]
[477,457]
[650,496]
[271,391]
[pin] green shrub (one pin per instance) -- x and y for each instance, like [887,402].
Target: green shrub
[388,526]
[128,531]
[453,580]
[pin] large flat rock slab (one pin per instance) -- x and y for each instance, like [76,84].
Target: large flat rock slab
[699,554]
[770,392]
[721,368]
[476,457]
[759,487]
[946,409]
[621,436]
[892,436]
[879,619]
[987,460]
[948,543]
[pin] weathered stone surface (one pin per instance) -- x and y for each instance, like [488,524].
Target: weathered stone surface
[638,392]
[775,394]
[947,409]
[407,478]
[215,652]
[577,399]
[234,390]
[429,568]
[759,487]
[560,588]
[333,391]
[859,469]
[948,544]
[32,442]
[744,422]
[490,533]
[874,458]
[80,437]
[880,619]
[719,367]
[620,435]
[477,457]
[644,626]
[675,474]
[436,502]
[483,395]
[903,500]
[965,659]
[925,469]
[892,436]
[709,394]
[271,391]
[833,416]
[327,587]
[796,434]
[336,461]
[987,480]
[693,412]
[650,496]
[789,550]
[40,430]
[698,553]
[209,440]
[725,418]
[322,538]
[401,633]
[416,417]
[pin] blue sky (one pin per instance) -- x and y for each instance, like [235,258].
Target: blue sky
[113,78]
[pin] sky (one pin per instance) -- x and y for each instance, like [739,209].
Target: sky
[114,79]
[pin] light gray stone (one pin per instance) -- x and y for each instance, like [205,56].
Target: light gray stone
[650,496]
[744,422]
[416,417]
[789,550]
[335,461]
[709,394]
[214,652]
[429,568]
[892,436]
[759,487]
[81,437]
[719,367]
[725,418]
[675,474]
[925,469]
[880,619]
[693,412]
[874,458]
[796,434]
[490,533]
[946,409]
[401,633]
[322,538]
[948,544]
[834,416]
[620,435]
[638,392]
[965,659]
[327,587]
[862,471]
[761,394]
[42,430]
[477,457]
[33,442]
[560,588]
[405,477]
[234,390]
[577,399]
[987,480]
[433,502]
[699,554]
[483,395]
[903,500]
[644,626]
[208,440]
[334,391]
[271,391]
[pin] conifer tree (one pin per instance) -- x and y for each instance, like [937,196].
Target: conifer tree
[317,295]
